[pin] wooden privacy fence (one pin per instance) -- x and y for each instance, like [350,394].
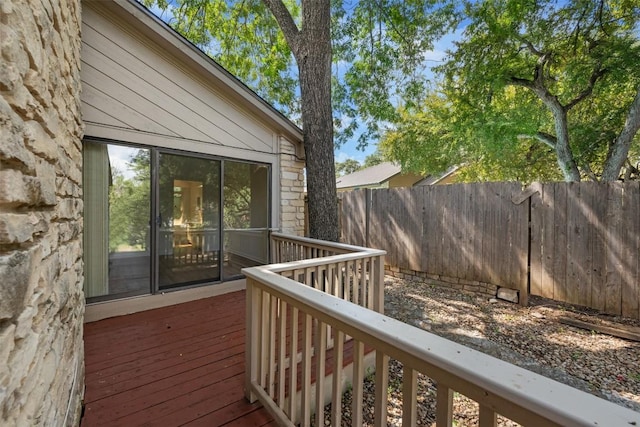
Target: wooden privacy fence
[573,242]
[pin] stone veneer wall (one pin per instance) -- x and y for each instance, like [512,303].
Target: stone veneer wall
[41,298]
[292,190]
[468,286]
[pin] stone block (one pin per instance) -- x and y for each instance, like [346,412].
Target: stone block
[7,343]
[44,186]
[20,228]
[39,141]
[452,280]
[13,188]
[11,135]
[507,294]
[16,269]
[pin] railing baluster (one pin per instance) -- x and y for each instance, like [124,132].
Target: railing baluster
[362,281]
[340,281]
[282,353]
[370,283]
[409,396]
[321,359]
[336,392]
[381,384]
[355,288]
[488,417]
[348,294]
[272,346]
[293,366]
[305,400]
[264,339]
[444,406]
[358,383]
[308,276]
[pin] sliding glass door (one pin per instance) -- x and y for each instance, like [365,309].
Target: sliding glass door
[188,220]
[246,216]
[157,219]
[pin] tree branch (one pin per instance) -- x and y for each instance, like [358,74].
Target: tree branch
[620,146]
[543,137]
[595,76]
[286,23]
[531,47]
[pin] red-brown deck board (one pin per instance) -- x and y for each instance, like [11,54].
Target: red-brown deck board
[173,366]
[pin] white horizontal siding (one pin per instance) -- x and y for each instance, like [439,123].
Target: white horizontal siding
[134,89]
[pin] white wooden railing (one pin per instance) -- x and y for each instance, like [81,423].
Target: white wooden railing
[290,317]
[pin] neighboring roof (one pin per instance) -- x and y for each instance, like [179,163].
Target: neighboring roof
[370,176]
[144,20]
[434,179]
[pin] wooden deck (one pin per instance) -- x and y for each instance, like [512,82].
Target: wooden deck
[173,366]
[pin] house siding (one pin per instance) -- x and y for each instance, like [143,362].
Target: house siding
[41,298]
[403,180]
[135,92]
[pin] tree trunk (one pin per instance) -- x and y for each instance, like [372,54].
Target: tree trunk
[563,150]
[314,65]
[315,86]
[311,47]
[620,147]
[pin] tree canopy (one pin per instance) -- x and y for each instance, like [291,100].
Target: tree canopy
[530,83]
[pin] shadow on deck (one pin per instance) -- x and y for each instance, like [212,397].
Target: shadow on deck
[178,365]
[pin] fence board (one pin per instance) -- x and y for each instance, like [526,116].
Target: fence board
[559,266]
[537,238]
[597,221]
[412,211]
[446,225]
[548,239]
[631,259]
[392,229]
[430,262]
[490,237]
[575,245]
[466,230]
[613,248]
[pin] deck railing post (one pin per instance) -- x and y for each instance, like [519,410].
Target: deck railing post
[252,354]
[378,284]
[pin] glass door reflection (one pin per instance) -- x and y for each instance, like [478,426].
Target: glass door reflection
[188,220]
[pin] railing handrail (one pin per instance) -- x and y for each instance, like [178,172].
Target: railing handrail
[316,262]
[514,392]
[326,244]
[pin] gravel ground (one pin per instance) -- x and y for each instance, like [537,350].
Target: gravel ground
[530,337]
